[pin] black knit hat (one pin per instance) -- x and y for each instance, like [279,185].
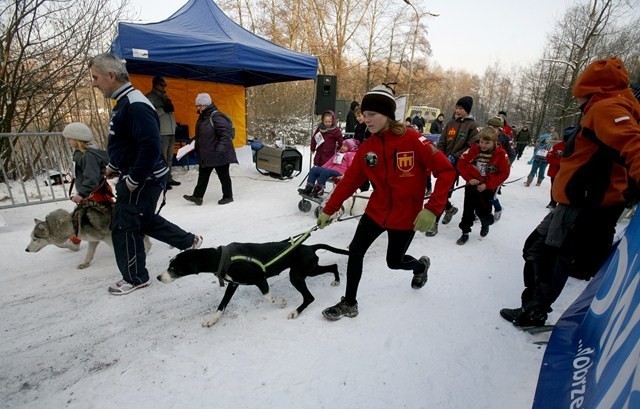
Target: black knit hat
[502,113]
[157,80]
[465,103]
[381,100]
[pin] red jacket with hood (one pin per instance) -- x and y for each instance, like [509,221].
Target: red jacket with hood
[498,167]
[587,175]
[399,177]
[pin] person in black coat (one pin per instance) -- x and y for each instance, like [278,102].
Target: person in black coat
[350,126]
[215,150]
[436,126]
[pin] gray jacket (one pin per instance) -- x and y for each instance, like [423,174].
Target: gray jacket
[167,120]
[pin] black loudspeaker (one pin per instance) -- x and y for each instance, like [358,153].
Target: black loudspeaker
[326,87]
[341,110]
[279,162]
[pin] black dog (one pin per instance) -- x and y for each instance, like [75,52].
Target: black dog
[251,264]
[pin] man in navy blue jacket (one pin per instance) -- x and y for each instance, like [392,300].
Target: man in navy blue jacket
[135,153]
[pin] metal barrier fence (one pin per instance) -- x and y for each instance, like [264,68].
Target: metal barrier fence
[35,168]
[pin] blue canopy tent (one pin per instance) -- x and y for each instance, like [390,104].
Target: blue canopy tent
[200,42]
[200,49]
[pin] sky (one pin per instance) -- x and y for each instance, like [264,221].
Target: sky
[67,343]
[468,34]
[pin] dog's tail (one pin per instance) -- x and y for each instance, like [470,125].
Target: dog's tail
[332,249]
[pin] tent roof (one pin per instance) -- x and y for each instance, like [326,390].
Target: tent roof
[200,42]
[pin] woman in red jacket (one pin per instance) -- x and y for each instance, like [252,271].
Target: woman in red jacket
[395,159]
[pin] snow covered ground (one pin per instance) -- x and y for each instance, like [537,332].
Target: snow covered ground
[67,343]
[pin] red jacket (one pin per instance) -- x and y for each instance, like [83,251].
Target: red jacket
[498,168]
[399,177]
[553,159]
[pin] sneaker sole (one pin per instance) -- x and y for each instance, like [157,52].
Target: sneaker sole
[334,318]
[115,291]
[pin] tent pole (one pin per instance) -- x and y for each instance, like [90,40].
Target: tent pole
[311,128]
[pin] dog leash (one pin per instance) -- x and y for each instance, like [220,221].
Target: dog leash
[341,219]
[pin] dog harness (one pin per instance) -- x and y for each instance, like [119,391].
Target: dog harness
[226,259]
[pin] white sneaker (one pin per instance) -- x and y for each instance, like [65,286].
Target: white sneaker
[197,242]
[123,287]
[496,215]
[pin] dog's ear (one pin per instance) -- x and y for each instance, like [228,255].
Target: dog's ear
[38,221]
[43,230]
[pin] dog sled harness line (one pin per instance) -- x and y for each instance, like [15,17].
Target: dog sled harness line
[226,259]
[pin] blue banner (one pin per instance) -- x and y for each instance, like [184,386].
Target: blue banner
[593,357]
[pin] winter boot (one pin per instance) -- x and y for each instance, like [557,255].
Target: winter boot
[531,317]
[497,215]
[420,279]
[463,239]
[448,214]
[317,191]
[307,190]
[510,314]
[484,230]
[341,309]
[539,182]
[528,182]
[432,231]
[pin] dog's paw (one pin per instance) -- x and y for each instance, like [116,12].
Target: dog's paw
[279,301]
[335,283]
[214,318]
[293,315]
[83,265]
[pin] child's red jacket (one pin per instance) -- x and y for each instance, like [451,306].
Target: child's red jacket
[553,158]
[497,171]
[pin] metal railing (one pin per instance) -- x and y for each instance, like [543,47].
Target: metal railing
[34,168]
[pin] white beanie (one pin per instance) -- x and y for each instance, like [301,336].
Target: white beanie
[77,131]
[203,99]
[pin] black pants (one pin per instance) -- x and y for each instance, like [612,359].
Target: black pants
[588,235]
[520,149]
[476,203]
[203,181]
[366,233]
[134,216]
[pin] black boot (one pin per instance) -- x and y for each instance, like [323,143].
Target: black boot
[317,191]
[463,239]
[510,314]
[534,317]
[307,190]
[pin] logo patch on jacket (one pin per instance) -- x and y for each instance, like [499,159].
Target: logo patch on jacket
[405,161]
